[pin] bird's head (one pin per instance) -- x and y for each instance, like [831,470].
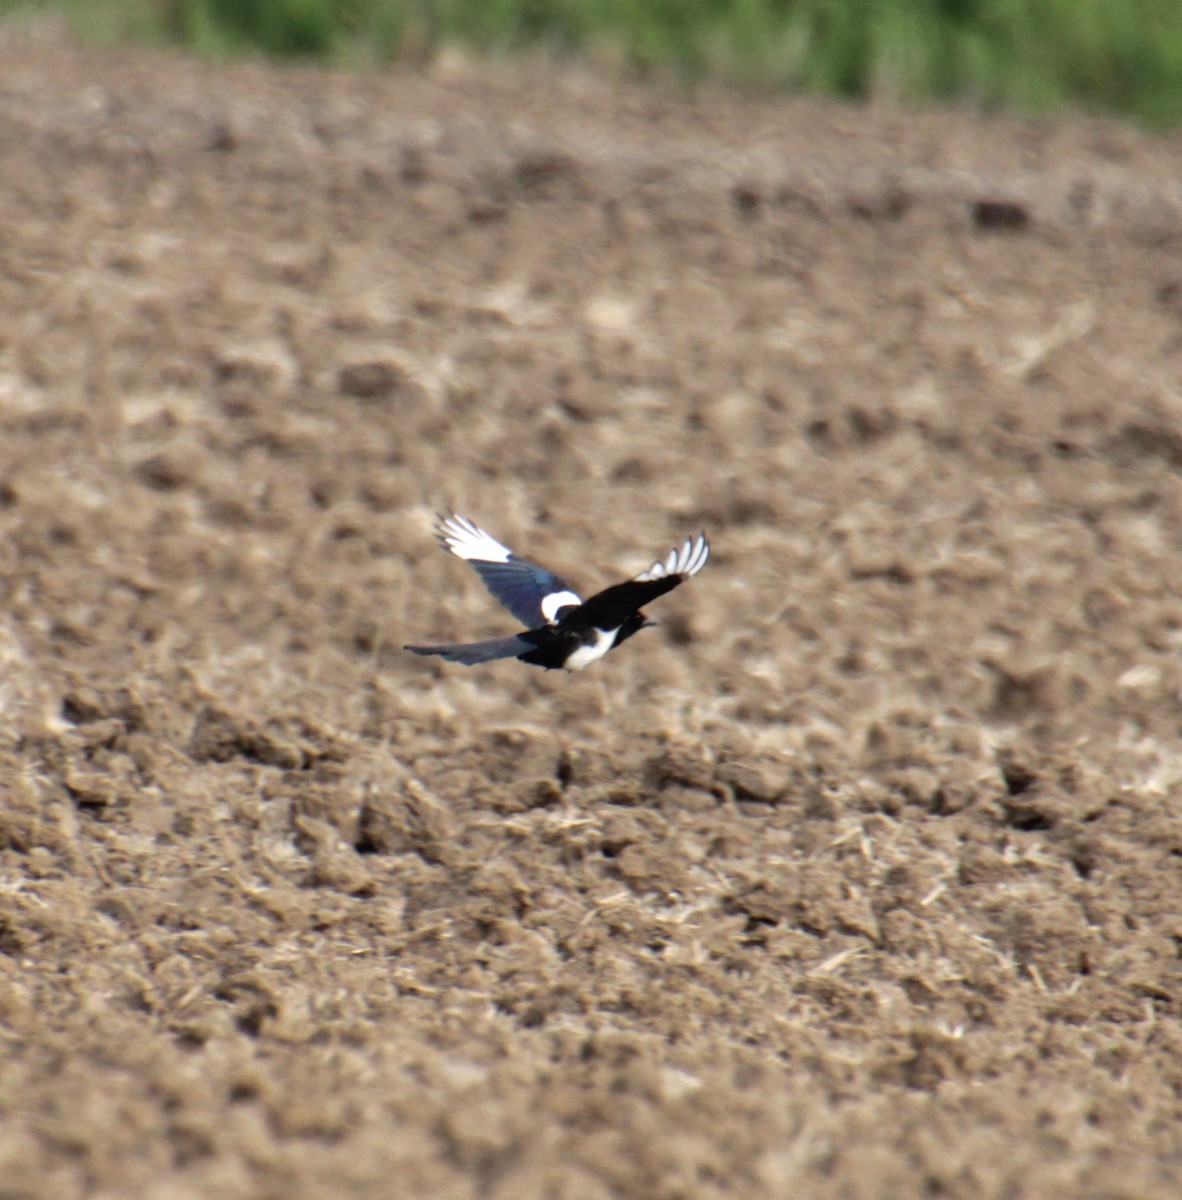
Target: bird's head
[632,622]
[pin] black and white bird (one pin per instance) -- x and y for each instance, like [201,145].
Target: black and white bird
[560,629]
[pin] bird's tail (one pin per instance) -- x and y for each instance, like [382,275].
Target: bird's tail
[470,653]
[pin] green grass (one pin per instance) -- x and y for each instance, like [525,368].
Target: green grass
[1115,56]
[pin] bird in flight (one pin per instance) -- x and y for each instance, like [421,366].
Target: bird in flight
[560,629]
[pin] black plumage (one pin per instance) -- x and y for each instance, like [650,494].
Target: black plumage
[562,630]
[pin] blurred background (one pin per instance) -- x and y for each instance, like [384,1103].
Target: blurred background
[1114,56]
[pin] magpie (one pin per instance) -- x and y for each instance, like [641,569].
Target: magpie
[560,629]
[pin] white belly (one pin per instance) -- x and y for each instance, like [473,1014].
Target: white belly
[584,656]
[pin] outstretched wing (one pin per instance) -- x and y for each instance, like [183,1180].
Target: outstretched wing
[532,594]
[609,607]
[685,561]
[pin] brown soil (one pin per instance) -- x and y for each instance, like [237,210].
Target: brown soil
[860,877]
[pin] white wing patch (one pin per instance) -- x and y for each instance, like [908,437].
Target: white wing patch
[471,543]
[558,600]
[686,560]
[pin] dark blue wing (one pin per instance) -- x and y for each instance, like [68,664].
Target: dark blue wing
[532,594]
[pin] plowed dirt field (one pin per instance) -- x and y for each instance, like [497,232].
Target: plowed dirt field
[860,876]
